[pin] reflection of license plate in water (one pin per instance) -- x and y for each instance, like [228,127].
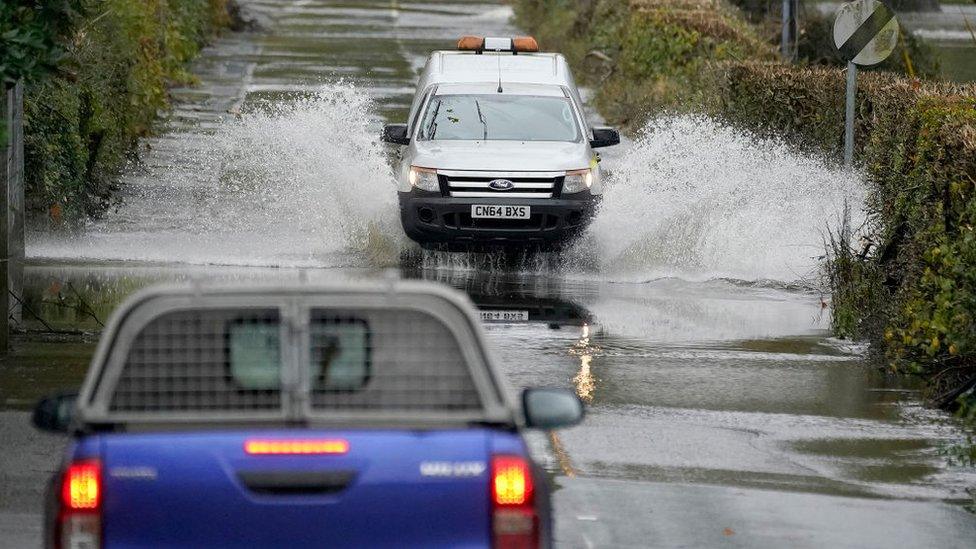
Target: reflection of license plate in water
[505,316]
[485,211]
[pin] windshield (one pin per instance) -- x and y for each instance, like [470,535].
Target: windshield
[499,118]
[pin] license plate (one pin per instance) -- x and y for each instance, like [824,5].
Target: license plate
[505,316]
[486,211]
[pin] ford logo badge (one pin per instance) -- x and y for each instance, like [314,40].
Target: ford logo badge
[501,185]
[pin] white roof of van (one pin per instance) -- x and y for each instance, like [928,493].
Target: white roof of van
[526,68]
[491,88]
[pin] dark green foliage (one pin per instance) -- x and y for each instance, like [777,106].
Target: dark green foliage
[774,99]
[82,122]
[30,39]
[30,36]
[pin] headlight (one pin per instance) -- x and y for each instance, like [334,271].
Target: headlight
[577,180]
[424,179]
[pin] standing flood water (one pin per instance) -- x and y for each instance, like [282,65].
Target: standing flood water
[718,407]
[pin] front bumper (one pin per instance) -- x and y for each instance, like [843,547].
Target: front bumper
[435,221]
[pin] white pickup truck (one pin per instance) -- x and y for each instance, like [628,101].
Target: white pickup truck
[496,152]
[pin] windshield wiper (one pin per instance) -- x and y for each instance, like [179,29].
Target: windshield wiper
[481,117]
[432,125]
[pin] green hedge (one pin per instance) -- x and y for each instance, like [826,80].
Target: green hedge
[82,122]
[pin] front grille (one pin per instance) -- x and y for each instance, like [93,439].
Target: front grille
[472,184]
[534,222]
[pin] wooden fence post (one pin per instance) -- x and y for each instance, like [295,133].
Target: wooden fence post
[11,203]
[6,167]
[15,207]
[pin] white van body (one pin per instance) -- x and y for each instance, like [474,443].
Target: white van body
[530,179]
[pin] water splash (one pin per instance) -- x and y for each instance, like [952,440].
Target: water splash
[695,199]
[298,182]
[304,182]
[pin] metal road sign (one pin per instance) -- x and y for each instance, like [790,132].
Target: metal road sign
[865,32]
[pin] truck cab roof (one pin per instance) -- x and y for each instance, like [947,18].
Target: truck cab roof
[525,68]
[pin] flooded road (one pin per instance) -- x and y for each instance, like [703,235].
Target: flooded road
[719,410]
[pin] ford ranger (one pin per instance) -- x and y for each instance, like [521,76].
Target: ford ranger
[496,151]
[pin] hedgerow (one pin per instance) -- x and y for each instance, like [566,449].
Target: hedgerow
[82,122]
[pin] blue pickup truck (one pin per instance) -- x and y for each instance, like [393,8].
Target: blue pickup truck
[299,416]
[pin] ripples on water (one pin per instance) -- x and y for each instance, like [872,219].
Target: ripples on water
[306,183]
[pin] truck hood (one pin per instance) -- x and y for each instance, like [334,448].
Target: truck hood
[501,155]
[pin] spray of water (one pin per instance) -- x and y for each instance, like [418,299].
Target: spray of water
[695,199]
[304,182]
[300,182]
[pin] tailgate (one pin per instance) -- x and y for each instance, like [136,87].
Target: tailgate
[388,488]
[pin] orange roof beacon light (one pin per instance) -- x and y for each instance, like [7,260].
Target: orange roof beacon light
[525,44]
[471,43]
[479,44]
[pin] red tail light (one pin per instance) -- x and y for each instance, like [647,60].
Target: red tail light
[515,523]
[80,519]
[82,487]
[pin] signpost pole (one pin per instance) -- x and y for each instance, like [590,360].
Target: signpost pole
[786,46]
[849,124]
[865,33]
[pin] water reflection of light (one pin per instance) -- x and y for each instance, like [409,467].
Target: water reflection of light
[583,380]
[561,456]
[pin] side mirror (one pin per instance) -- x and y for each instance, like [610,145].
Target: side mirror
[396,134]
[604,137]
[551,408]
[54,413]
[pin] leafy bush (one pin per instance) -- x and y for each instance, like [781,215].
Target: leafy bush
[29,35]
[934,326]
[81,123]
